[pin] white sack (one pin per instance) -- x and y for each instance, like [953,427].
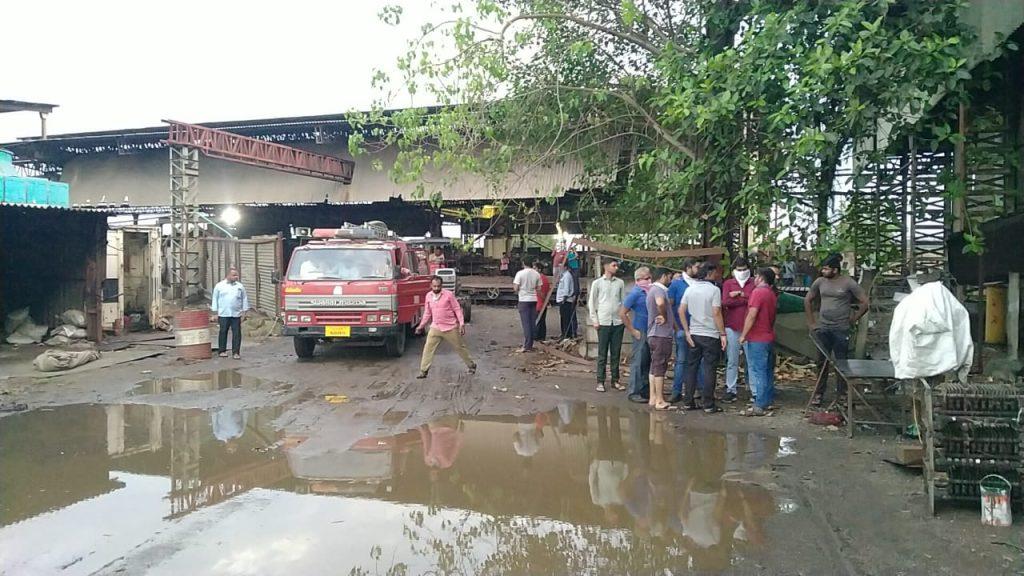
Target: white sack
[67,330]
[930,334]
[75,317]
[15,320]
[56,360]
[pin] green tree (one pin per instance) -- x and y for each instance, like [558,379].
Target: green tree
[683,117]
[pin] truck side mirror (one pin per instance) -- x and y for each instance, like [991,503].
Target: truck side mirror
[275,277]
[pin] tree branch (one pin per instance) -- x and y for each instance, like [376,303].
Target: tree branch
[661,130]
[632,39]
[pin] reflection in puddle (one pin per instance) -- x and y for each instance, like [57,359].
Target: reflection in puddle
[787,446]
[220,380]
[567,491]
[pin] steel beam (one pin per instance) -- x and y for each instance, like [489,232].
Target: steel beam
[184,251]
[236,148]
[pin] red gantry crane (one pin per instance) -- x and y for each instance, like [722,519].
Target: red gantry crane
[185,142]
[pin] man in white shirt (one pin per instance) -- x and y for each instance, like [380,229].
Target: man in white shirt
[704,330]
[565,297]
[526,283]
[603,302]
[229,303]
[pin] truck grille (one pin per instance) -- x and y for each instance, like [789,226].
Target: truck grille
[303,303]
[338,317]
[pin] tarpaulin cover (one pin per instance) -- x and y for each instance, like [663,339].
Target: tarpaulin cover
[930,334]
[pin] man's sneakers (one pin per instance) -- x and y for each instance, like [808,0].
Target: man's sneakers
[712,410]
[638,399]
[675,399]
[421,375]
[472,369]
[729,397]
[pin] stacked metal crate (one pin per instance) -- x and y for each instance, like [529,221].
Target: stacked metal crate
[976,432]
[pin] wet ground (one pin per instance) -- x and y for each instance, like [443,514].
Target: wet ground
[347,464]
[573,490]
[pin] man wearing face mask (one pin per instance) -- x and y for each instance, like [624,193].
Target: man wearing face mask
[835,294]
[735,296]
[442,311]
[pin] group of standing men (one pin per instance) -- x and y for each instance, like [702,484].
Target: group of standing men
[684,317]
[692,316]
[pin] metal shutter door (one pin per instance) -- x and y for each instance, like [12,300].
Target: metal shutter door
[247,270]
[266,253]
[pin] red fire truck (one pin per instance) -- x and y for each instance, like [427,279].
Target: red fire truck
[354,284]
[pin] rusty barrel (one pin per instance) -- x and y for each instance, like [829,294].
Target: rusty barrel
[192,334]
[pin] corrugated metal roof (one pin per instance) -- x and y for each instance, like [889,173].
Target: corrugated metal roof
[48,207]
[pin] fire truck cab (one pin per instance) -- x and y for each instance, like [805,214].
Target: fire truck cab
[354,284]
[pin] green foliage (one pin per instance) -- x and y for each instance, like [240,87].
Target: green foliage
[680,116]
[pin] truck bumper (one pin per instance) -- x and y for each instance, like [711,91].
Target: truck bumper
[358,333]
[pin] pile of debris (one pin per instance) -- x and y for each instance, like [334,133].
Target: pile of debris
[789,370]
[70,331]
[259,326]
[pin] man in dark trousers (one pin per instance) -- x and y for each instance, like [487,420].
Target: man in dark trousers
[526,283]
[704,330]
[565,297]
[834,295]
[229,303]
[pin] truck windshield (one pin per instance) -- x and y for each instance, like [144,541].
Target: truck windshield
[340,264]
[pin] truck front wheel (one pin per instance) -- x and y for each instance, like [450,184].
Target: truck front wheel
[394,345]
[304,347]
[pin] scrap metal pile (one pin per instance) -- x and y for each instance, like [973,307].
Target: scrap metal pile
[977,432]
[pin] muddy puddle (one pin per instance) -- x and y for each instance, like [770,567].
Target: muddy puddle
[143,489]
[220,380]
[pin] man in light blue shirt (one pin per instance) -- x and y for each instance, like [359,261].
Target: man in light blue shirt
[230,303]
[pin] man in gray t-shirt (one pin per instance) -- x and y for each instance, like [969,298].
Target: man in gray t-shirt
[660,327]
[834,295]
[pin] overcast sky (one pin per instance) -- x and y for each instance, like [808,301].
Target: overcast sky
[113,64]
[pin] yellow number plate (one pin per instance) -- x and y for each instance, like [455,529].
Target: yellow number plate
[338,331]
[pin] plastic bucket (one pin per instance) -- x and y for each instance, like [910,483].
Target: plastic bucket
[192,334]
[995,501]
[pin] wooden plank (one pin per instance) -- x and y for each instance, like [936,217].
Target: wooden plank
[548,349]
[867,282]
[1013,316]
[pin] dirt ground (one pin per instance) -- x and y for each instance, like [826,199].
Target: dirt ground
[789,497]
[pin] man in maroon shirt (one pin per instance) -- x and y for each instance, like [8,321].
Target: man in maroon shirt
[441,309]
[736,293]
[758,339]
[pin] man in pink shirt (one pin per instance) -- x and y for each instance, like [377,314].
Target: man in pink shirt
[442,311]
[735,296]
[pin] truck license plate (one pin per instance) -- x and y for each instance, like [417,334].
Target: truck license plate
[338,331]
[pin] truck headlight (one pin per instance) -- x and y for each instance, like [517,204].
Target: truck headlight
[293,318]
[385,317]
[371,317]
[306,319]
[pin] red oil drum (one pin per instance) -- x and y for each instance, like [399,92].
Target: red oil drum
[192,334]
